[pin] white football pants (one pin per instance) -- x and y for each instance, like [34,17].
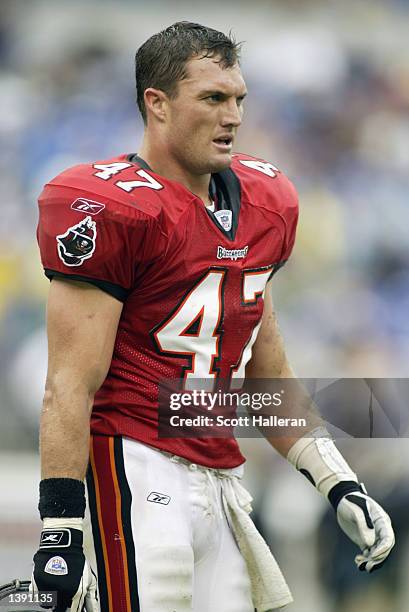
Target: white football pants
[161,541]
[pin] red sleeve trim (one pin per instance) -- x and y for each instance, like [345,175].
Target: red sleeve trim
[276,267]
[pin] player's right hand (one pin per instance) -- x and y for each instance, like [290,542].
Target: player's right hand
[60,566]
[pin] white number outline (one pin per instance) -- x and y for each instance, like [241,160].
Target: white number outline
[236,370]
[261,166]
[107,171]
[217,331]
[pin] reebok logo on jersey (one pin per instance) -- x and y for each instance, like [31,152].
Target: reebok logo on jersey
[87,206]
[56,566]
[232,254]
[60,538]
[158,498]
[78,242]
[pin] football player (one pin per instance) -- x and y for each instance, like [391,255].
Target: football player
[161,264]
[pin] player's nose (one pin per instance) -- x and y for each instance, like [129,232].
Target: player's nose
[232,114]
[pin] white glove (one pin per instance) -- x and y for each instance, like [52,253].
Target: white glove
[86,596]
[60,566]
[359,516]
[368,526]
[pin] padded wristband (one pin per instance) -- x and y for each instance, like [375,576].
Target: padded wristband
[341,489]
[316,456]
[62,498]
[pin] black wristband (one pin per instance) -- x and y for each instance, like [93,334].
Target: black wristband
[62,498]
[343,488]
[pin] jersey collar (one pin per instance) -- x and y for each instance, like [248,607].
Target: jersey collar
[224,188]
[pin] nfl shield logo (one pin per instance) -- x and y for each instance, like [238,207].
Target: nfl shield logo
[224,217]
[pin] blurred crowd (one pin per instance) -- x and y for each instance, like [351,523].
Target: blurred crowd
[328,104]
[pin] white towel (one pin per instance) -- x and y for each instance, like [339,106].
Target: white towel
[269,588]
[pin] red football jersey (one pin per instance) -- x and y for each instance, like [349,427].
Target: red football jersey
[191,279]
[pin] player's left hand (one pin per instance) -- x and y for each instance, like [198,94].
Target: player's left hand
[368,525]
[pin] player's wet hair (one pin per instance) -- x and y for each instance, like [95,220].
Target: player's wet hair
[161,61]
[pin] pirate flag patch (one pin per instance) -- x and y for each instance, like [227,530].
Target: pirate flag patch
[78,242]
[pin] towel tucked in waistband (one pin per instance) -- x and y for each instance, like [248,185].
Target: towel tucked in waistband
[269,588]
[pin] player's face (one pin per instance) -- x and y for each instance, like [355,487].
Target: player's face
[205,115]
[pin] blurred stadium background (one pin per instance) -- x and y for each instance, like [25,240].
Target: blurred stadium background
[329,104]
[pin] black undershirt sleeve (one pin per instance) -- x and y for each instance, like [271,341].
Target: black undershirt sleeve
[115,290]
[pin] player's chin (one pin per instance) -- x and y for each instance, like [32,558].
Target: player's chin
[220,162]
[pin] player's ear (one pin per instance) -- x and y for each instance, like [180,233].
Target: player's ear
[155,102]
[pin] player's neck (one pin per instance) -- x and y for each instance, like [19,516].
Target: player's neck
[166,166]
